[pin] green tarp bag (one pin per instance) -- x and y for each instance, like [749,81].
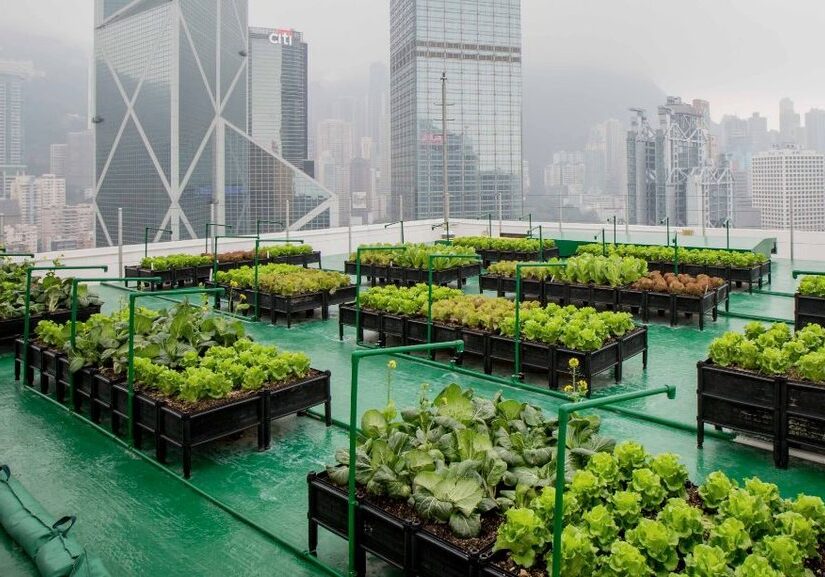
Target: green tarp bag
[23,517]
[89,566]
[57,557]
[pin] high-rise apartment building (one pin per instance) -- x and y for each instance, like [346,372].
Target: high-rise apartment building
[789,182]
[278,92]
[170,116]
[13,76]
[477,46]
[58,157]
[672,171]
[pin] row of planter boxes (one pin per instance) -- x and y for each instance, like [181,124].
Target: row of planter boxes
[156,417]
[404,543]
[10,329]
[790,413]
[489,256]
[200,274]
[272,305]
[808,310]
[618,298]
[491,347]
[734,275]
[378,275]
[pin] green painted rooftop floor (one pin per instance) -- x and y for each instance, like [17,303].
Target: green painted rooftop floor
[143,521]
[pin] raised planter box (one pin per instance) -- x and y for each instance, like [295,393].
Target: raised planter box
[437,557]
[390,274]
[273,305]
[492,566]
[12,329]
[531,289]
[788,412]
[489,256]
[808,310]
[578,294]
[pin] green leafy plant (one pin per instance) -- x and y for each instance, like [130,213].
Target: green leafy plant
[684,521]
[284,279]
[706,561]
[716,489]
[731,537]
[711,257]
[527,245]
[601,526]
[523,534]
[624,560]
[657,542]
[783,553]
[627,508]
[578,555]
[756,566]
[673,474]
[813,286]
[754,513]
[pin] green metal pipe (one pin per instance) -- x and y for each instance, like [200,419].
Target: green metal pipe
[215,224]
[292,549]
[261,221]
[146,237]
[358,252]
[797,272]
[130,372]
[28,298]
[258,242]
[215,260]
[401,222]
[357,355]
[764,319]
[773,293]
[430,259]
[517,339]
[676,252]
[564,416]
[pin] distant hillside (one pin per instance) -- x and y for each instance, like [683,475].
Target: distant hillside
[56,103]
[560,106]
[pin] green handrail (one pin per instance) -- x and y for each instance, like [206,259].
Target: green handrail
[357,355]
[358,251]
[215,259]
[401,222]
[146,237]
[27,306]
[797,272]
[130,372]
[261,221]
[564,415]
[258,242]
[517,339]
[215,224]
[430,260]
[73,320]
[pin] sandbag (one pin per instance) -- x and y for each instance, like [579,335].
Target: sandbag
[23,517]
[57,557]
[89,566]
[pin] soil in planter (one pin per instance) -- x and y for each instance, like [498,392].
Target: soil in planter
[539,569]
[817,565]
[489,527]
[206,404]
[396,507]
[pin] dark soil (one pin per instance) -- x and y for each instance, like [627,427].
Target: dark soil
[817,565]
[489,527]
[693,497]
[395,507]
[539,569]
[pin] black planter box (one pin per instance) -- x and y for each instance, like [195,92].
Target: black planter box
[304,260]
[436,557]
[394,325]
[805,415]
[475,342]
[273,304]
[556,292]
[696,305]
[808,310]
[591,363]
[12,329]
[489,256]
[490,565]
[299,396]
[417,330]
[402,275]
[743,401]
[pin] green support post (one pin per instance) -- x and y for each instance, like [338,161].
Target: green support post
[28,298]
[261,221]
[215,224]
[529,216]
[258,242]
[666,221]
[215,260]
[614,220]
[73,320]
[130,372]
[358,252]
[401,222]
[357,355]
[604,243]
[676,252]
[541,240]
[727,233]
[490,224]
[517,353]
[430,260]
[146,237]
[564,415]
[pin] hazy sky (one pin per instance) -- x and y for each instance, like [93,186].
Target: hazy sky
[741,55]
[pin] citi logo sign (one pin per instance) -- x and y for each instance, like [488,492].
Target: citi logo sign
[281,36]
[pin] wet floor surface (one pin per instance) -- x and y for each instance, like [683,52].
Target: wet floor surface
[144,522]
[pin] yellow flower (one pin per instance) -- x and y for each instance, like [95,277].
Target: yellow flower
[573,363]
[568,388]
[583,386]
[392,364]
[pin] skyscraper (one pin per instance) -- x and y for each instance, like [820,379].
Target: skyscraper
[278,92]
[788,180]
[477,44]
[788,122]
[13,76]
[815,129]
[333,155]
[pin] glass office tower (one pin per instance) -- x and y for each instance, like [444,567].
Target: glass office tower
[477,43]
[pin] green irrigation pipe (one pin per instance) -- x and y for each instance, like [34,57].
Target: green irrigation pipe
[261,221]
[27,308]
[773,293]
[358,252]
[258,242]
[357,355]
[762,318]
[297,552]
[215,224]
[797,272]
[564,414]
[430,259]
[401,222]
[517,339]
[146,237]
[130,378]
[642,416]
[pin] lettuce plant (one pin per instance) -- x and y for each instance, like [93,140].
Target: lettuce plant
[601,526]
[545,505]
[750,509]
[649,485]
[731,537]
[768,492]
[606,469]
[783,553]
[627,508]
[706,561]
[629,456]
[657,542]
[578,555]
[756,566]
[587,489]
[674,474]
[812,365]
[812,508]
[522,534]
[812,285]
[624,560]
[684,521]
[800,529]
[716,489]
